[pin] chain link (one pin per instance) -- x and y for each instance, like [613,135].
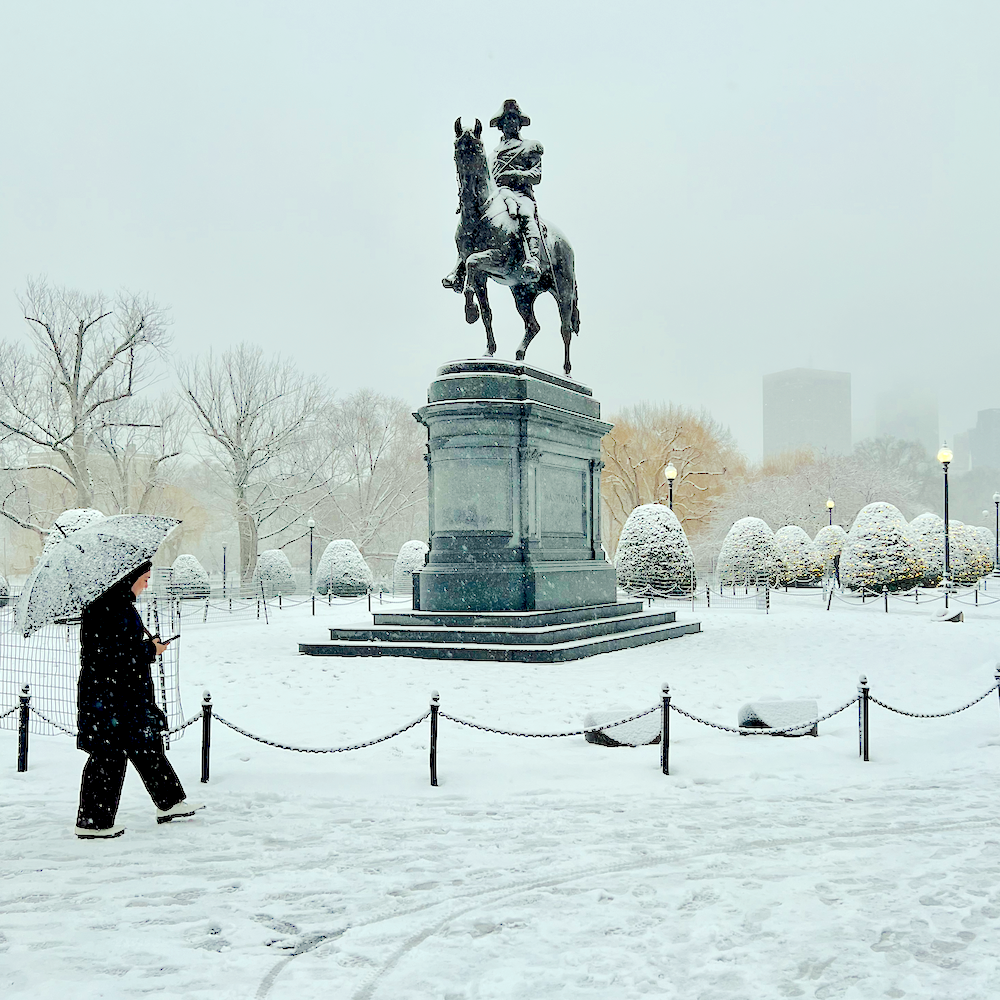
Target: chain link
[285,746]
[755,731]
[933,715]
[576,732]
[9,711]
[182,726]
[45,718]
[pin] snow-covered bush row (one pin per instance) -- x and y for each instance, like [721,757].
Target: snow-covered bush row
[970,561]
[804,563]
[189,578]
[880,551]
[410,559]
[829,543]
[69,521]
[653,558]
[927,532]
[970,552]
[275,573]
[342,570]
[750,554]
[988,543]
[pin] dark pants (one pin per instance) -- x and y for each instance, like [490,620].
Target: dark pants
[104,775]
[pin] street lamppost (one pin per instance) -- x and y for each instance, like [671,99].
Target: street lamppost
[944,456]
[996,558]
[829,506]
[671,474]
[311,524]
[223,571]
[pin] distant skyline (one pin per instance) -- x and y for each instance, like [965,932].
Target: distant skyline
[748,187]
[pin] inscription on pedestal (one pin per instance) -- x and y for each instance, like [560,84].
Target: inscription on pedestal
[473,495]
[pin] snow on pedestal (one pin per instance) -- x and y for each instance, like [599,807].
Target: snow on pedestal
[67,522]
[750,554]
[654,558]
[880,551]
[275,573]
[411,558]
[342,570]
[804,563]
[189,578]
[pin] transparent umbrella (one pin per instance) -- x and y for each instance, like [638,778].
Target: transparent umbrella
[85,564]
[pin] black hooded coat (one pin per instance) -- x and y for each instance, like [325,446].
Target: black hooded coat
[116,706]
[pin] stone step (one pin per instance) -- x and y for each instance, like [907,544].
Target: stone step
[558,652]
[477,635]
[507,619]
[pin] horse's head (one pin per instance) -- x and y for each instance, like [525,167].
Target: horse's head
[473,170]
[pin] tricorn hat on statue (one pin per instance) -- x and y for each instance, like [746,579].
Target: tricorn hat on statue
[510,106]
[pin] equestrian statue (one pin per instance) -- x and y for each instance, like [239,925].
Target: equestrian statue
[501,236]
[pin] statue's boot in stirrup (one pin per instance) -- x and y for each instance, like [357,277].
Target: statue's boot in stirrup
[532,263]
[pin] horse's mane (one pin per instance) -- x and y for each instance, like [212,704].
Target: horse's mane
[473,175]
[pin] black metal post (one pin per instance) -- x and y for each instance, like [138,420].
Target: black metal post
[947,548]
[996,557]
[22,729]
[885,597]
[206,734]
[223,571]
[671,484]
[996,678]
[665,735]
[435,705]
[312,591]
[863,715]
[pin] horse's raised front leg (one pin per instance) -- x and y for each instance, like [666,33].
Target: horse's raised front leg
[476,273]
[524,299]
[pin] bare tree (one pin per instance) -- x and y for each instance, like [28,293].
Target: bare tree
[85,354]
[257,415]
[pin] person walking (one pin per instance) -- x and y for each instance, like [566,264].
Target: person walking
[118,719]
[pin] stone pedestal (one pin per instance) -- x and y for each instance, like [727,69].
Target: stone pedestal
[514,467]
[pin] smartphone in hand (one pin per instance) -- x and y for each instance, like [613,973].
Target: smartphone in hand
[166,642]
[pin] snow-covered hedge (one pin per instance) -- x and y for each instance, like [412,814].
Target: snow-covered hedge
[189,578]
[750,554]
[927,532]
[880,551]
[275,573]
[829,543]
[804,564]
[970,560]
[4,592]
[654,558]
[410,559]
[988,543]
[69,521]
[342,570]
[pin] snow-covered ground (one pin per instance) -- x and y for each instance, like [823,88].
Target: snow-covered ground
[761,867]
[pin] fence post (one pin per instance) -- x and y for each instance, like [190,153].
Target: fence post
[767,600]
[22,729]
[435,705]
[314,604]
[996,677]
[665,735]
[263,598]
[885,597]
[863,715]
[206,734]
[708,596]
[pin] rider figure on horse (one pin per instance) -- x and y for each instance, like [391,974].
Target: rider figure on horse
[517,168]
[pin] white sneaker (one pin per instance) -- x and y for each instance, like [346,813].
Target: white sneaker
[179,811]
[88,833]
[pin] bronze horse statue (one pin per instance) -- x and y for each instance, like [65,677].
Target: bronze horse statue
[490,246]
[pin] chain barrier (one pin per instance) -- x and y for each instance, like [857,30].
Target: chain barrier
[182,726]
[576,732]
[285,746]
[55,725]
[933,715]
[10,711]
[755,731]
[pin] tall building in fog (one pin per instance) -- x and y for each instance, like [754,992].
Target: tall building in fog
[807,408]
[910,415]
[984,440]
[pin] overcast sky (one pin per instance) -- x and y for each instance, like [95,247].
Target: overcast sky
[748,186]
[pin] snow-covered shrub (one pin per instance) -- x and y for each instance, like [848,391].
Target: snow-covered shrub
[804,564]
[189,578]
[750,554]
[829,543]
[880,551]
[988,545]
[69,521]
[927,532]
[410,559]
[970,560]
[342,570]
[275,573]
[4,592]
[654,558]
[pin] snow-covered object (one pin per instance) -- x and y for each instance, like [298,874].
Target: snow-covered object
[804,563]
[4,592]
[411,558]
[78,570]
[970,559]
[829,543]
[780,715]
[927,532]
[988,546]
[189,578]
[654,558]
[750,554]
[275,573]
[342,570]
[880,551]
[637,733]
[67,522]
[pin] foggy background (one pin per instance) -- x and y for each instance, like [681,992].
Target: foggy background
[748,187]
